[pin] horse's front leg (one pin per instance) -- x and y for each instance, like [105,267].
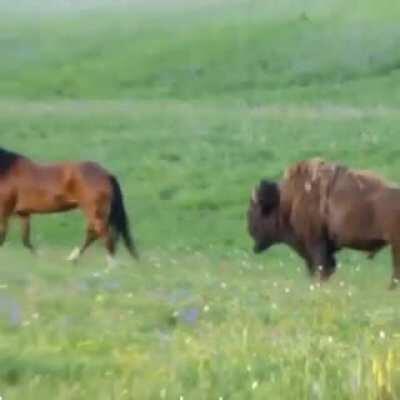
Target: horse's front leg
[26,232]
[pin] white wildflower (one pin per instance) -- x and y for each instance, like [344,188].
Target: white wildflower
[99,298]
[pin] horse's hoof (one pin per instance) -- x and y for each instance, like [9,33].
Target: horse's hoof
[111,262]
[73,257]
[393,285]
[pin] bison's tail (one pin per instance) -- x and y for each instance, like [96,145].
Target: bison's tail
[118,219]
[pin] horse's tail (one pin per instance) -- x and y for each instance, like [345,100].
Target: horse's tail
[118,219]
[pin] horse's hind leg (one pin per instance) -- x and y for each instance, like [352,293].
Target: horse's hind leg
[105,233]
[97,214]
[100,222]
[97,228]
[26,232]
[94,229]
[109,243]
[91,236]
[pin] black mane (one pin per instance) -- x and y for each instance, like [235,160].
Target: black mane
[7,159]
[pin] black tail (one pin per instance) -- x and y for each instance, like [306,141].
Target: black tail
[118,219]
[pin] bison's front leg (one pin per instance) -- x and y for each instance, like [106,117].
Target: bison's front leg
[311,267]
[329,268]
[396,265]
[322,259]
[306,255]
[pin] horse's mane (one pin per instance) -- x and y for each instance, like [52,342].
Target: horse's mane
[7,160]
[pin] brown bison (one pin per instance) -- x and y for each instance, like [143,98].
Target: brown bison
[319,208]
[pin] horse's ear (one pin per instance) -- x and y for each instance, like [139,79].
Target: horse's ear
[268,196]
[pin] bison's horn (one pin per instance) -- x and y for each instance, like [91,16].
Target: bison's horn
[254,196]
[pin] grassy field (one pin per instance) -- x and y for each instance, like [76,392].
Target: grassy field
[190,106]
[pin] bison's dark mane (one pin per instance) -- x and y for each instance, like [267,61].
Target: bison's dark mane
[7,160]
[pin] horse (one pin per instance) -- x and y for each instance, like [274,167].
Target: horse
[27,187]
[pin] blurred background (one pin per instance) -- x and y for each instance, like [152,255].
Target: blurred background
[247,50]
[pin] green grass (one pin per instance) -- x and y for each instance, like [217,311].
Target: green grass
[190,107]
[257,50]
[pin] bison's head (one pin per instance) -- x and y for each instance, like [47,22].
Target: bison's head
[263,215]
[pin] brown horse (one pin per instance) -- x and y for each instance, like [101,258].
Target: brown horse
[27,187]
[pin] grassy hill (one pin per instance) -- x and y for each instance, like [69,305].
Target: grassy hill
[249,50]
[190,104]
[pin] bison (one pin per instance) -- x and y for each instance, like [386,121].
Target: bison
[320,207]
